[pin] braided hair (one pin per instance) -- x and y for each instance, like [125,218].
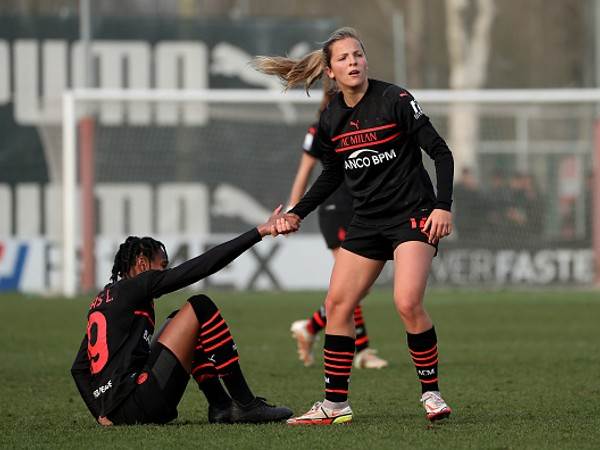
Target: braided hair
[129,251]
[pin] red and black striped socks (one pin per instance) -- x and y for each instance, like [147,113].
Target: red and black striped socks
[318,321]
[205,374]
[218,346]
[217,342]
[424,353]
[362,340]
[338,355]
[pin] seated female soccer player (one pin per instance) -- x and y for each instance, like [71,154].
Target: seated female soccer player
[123,379]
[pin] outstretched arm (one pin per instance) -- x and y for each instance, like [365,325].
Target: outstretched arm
[193,270]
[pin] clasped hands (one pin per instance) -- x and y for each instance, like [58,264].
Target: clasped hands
[280,223]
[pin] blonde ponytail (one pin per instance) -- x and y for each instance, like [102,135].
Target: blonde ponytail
[293,72]
[309,69]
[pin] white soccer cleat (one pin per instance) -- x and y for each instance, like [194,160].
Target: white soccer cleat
[304,342]
[435,406]
[367,359]
[319,415]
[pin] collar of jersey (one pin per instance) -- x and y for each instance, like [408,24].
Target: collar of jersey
[343,102]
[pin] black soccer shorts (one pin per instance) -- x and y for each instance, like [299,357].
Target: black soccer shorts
[334,226]
[378,241]
[159,388]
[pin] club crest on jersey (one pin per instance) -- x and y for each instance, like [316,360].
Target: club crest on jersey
[147,336]
[418,112]
[367,157]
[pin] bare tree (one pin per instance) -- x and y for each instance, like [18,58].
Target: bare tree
[468,33]
[415,31]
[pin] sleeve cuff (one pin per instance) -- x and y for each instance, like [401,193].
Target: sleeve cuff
[447,206]
[254,235]
[293,211]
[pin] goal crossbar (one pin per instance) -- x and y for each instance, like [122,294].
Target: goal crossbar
[561,95]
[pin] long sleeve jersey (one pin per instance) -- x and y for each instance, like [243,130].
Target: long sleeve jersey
[121,320]
[375,147]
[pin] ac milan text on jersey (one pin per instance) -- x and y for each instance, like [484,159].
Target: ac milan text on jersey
[375,148]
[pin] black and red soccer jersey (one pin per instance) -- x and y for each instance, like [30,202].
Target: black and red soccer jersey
[341,199]
[375,147]
[121,324]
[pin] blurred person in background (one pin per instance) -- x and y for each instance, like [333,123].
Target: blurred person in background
[371,134]
[335,214]
[524,212]
[517,208]
[497,197]
[469,201]
[123,379]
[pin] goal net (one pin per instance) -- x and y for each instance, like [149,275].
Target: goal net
[193,168]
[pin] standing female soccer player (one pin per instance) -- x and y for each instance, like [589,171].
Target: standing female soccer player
[123,380]
[335,215]
[372,134]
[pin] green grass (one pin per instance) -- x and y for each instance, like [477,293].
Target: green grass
[521,370]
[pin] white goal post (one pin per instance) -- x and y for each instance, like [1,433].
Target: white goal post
[524,107]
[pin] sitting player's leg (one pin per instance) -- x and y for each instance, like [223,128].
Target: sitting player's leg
[205,374]
[217,344]
[201,319]
[207,377]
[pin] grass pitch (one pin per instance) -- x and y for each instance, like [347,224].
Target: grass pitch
[520,370]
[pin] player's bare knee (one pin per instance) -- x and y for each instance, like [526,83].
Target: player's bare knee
[331,303]
[162,328]
[203,307]
[408,308]
[337,307]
